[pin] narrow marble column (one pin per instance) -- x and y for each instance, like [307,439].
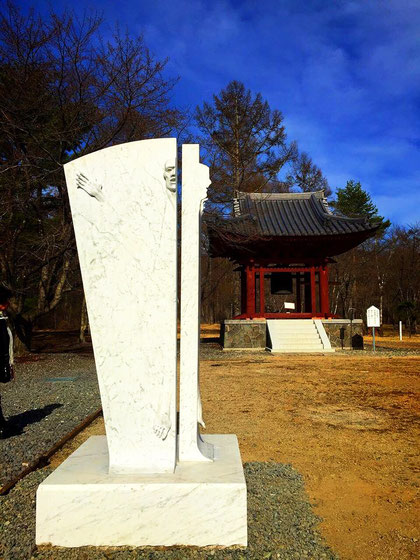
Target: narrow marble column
[195,180]
[123,202]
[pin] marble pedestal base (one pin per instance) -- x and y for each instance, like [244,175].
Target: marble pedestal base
[201,504]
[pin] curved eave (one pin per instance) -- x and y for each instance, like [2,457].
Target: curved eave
[293,214]
[238,247]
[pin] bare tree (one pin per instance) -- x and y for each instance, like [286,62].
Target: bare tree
[383,271]
[306,176]
[245,142]
[64,92]
[402,291]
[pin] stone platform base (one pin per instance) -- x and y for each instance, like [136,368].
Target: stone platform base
[201,504]
[243,334]
[344,333]
[247,334]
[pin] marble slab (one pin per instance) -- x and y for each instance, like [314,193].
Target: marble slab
[195,181]
[201,504]
[123,201]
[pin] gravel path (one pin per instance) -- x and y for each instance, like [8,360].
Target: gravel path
[213,351]
[281,524]
[49,397]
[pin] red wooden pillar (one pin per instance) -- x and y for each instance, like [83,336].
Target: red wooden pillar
[313,291]
[250,290]
[323,290]
[298,294]
[307,292]
[262,292]
[243,290]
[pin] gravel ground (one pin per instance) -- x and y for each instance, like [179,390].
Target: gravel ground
[53,393]
[213,351]
[49,397]
[384,351]
[280,520]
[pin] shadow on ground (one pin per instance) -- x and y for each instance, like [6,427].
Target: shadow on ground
[17,423]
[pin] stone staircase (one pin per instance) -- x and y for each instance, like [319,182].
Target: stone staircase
[297,336]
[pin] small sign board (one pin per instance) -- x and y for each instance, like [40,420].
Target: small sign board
[289,305]
[373,317]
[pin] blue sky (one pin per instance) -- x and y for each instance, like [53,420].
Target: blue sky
[345,74]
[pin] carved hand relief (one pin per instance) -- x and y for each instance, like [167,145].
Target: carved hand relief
[163,417]
[161,431]
[170,175]
[92,189]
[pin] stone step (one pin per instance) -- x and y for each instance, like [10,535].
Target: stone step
[312,332]
[285,346]
[300,351]
[295,333]
[298,340]
[292,327]
[295,336]
[290,323]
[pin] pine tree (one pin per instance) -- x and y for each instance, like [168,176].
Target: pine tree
[354,201]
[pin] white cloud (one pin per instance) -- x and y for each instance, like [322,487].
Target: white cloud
[345,74]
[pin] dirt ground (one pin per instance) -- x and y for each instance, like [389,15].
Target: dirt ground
[348,423]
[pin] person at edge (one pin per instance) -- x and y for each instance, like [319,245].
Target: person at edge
[6,352]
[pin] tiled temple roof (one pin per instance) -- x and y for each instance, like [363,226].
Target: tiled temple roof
[294,214]
[278,217]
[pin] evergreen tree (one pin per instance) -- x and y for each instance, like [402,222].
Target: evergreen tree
[353,201]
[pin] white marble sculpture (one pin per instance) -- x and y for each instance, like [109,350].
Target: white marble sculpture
[128,488]
[195,181]
[124,213]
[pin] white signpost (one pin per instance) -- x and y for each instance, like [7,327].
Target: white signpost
[373,320]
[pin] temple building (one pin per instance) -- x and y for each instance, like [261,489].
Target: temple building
[283,244]
[289,239]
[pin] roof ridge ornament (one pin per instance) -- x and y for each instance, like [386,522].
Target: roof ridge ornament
[236,207]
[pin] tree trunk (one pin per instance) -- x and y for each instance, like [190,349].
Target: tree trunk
[22,334]
[83,321]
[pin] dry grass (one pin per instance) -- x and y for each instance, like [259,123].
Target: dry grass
[347,423]
[394,342]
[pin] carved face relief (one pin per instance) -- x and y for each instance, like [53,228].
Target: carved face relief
[170,175]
